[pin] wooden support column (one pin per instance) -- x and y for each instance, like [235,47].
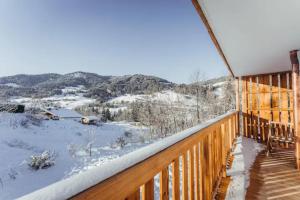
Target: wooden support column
[237,104]
[296,96]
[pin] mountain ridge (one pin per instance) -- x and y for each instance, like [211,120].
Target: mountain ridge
[98,86]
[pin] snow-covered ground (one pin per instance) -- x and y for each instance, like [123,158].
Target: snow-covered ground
[21,136]
[70,98]
[166,96]
[66,101]
[244,155]
[14,85]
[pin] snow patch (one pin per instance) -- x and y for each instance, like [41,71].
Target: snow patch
[73,89]
[244,156]
[166,96]
[65,101]
[14,85]
[68,138]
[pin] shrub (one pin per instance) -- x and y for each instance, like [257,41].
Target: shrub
[42,161]
[128,134]
[121,142]
[13,174]
[34,119]
[26,121]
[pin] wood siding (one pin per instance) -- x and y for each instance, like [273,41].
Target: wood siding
[267,107]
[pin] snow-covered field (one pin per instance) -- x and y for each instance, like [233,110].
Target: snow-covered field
[11,85]
[70,98]
[166,96]
[21,137]
[244,155]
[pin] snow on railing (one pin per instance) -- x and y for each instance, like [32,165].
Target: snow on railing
[76,184]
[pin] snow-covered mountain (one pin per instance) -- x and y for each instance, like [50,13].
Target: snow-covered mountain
[97,86]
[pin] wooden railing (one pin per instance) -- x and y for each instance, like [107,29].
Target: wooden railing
[190,165]
[268,110]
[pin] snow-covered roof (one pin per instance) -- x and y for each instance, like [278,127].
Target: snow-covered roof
[91,117]
[75,184]
[255,36]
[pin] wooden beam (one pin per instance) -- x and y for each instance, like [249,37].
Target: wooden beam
[211,34]
[237,103]
[296,96]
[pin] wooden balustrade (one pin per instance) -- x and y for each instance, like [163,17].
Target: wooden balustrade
[194,165]
[186,165]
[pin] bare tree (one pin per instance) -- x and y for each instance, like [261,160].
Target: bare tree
[197,78]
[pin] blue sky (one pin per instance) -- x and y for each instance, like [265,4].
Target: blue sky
[165,38]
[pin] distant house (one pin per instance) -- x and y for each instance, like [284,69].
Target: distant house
[12,108]
[50,115]
[89,120]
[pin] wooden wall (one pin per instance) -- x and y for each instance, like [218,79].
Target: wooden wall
[267,107]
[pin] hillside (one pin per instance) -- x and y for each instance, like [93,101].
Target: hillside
[97,86]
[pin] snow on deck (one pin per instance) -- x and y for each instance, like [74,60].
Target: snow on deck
[244,156]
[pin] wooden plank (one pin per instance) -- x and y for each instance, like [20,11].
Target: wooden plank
[237,102]
[185,176]
[274,177]
[175,180]
[134,196]
[164,184]
[148,190]
[197,172]
[201,172]
[191,173]
[244,106]
[296,98]
[207,191]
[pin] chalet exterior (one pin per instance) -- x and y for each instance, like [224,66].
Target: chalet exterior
[50,115]
[259,42]
[91,120]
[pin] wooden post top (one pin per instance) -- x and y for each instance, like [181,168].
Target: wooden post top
[294,60]
[294,57]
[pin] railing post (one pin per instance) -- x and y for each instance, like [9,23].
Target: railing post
[224,151]
[296,96]
[237,104]
[148,190]
[184,176]
[191,173]
[175,179]
[164,184]
[230,132]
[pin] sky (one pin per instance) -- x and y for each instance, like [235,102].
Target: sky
[165,38]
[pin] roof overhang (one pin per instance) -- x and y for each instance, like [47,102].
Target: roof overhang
[253,36]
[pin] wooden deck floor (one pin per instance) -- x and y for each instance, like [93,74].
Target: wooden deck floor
[274,177]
